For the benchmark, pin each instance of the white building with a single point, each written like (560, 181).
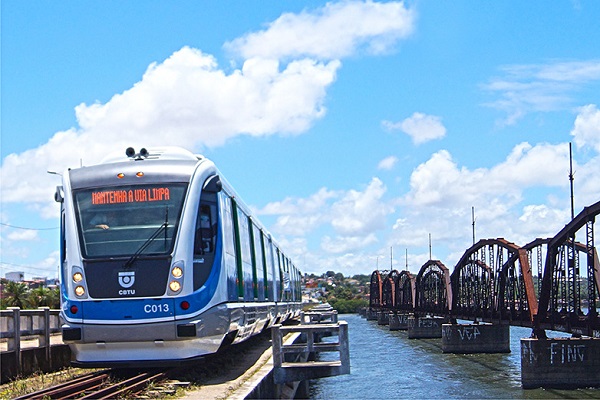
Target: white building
(15, 276)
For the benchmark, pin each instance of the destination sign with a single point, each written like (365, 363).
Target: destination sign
(131, 196)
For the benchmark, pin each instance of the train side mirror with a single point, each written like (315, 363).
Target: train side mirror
(213, 184)
(59, 195)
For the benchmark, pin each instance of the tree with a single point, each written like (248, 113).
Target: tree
(15, 294)
(43, 297)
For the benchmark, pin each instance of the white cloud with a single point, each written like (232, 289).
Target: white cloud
(22, 235)
(340, 244)
(539, 220)
(185, 100)
(387, 163)
(354, 216)
(539, 87)
(528, 166)
(335, 31)
(586, 130)
(189, 100)
(360, 213)
(420, 127)
(440, 182)
(586, 133)
(297, 216)
(443, 193)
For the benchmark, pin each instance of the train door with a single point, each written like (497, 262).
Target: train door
(243, 255)
(229, 247)
(270, 280)
(279, 274)
(59, 198)
(258, 264)
(265, 267)
(205, 238)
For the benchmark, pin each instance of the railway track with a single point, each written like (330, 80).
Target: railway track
(108, 384)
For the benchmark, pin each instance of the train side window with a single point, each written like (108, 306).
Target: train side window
(205, 239)
(204, 242)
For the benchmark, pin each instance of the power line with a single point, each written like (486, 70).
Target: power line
(28, 229)
(30, 267)
(50, 272)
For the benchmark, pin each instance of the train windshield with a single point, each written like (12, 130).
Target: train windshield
(128, 220)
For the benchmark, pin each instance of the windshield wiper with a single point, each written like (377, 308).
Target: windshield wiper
(148, 241)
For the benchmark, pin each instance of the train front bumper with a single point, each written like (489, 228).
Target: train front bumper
(104, 344)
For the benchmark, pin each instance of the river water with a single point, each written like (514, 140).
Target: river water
(387, 365)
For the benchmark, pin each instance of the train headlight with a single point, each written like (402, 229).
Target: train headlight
(77, 277)
(79, 291)
(176, 281)
(175, 286)
(177, 272)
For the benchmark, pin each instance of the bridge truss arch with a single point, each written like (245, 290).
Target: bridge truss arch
(406, 288)
(433, 292)
(493, 282)
(568, 299)
(389, 290)
(536, 255)
(376, 290)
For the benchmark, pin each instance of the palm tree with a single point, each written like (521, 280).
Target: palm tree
(15, 294)
(40, 296)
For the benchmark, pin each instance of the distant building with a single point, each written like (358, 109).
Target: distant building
(16, 276)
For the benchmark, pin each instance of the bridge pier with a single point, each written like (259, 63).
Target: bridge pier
(371, 314)
(475, 338)
(560, 363)
(398, 321)
(425, 327)
(383, 317)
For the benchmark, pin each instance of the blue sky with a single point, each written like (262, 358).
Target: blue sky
(350, 127)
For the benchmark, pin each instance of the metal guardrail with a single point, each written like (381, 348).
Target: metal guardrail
(16, 324)
(290, 359)
(318, 317)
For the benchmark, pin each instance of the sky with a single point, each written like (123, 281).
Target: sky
(365, 135)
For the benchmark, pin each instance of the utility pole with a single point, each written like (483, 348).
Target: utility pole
(473, 221)
(430, 246)
(573, 268)
(571, 179)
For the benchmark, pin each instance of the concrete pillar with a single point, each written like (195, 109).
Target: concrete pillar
(425, 327)
(398, 321)
(560, 363)
(383, 317)
(371, 314)
(475, 338)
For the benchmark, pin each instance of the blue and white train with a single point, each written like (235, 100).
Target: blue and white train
(161, 262)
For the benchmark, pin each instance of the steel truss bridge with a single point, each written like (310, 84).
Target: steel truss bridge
(550, 283)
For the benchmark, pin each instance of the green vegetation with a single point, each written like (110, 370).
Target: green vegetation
(346, 295)
(18, 294)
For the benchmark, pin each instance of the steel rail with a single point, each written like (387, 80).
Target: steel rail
(69, 389)
(133, 384)
(93, 386)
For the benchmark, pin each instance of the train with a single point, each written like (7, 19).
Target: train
(161, 262)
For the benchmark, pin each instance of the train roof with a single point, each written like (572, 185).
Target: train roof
(167, 164)
(155, 153)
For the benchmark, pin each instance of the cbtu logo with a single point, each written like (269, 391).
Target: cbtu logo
(126, 279)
